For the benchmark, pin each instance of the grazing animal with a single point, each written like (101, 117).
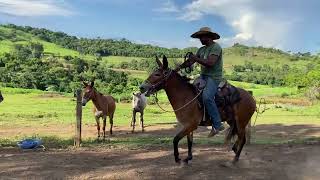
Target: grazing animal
(182, 96)
(103, 106)
(1, 97)
(139, 103)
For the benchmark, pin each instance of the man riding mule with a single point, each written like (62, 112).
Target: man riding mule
(236, 105)
(209, 57)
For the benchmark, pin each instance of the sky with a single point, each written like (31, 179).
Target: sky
(289, 25)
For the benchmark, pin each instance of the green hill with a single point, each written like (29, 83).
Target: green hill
(41, 59)
(236, 55)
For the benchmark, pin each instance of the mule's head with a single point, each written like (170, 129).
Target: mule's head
(88, 92)
(157, 79)
(1, 97)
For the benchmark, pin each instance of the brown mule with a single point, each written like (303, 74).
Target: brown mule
(182, 94)
(103, 106)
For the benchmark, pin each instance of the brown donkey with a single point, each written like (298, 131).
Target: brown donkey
(103, 106)
(182, 96)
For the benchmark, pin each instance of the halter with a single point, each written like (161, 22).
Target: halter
(155, 86)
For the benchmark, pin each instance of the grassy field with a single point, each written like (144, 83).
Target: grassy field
(48, 113)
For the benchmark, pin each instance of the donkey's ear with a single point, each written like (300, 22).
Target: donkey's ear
(165, 62)
(159, 62)
(84, 84)
(92, 83)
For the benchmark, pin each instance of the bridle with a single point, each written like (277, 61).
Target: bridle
(162, 82)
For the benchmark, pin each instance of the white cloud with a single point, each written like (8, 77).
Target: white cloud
(168, 7)
(34, 8)
(253, 23)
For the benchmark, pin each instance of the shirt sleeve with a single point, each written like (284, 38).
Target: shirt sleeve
(216, 50)
(198, 52)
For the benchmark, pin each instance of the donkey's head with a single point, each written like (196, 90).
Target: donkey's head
(157, 79)
(88, 92)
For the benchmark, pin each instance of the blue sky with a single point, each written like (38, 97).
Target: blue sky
(291, 25)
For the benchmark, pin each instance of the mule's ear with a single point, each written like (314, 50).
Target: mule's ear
(84, 84)
(92, 83)
(165, 62)
(159, 62)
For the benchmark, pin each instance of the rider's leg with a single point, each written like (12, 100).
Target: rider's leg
(208, 98)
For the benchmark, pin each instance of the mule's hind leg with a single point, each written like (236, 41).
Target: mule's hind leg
(111, 123)
(241, 141)
(141, 120)
(98, 125)
(104, 127)
(190, 141)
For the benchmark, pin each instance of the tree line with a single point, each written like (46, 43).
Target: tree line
(101, 47)
(26, 67)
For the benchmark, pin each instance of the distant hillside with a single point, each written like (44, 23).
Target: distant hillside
(43, 59)
(61, 44)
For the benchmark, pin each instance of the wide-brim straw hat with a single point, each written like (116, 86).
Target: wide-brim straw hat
(206, 31)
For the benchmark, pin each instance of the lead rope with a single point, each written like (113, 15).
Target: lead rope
(176, 110)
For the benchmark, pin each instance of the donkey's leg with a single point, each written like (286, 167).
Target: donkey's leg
(241, 141)
(131, 124)
(104, 127)
(98, 125)
(176, 140)
(134, 113)
(190, 141)
(141, 120)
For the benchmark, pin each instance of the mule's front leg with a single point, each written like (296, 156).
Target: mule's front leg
(176, 140)
(190, 141)
(98, 126)
(133, 120)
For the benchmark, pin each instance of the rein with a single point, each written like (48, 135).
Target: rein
(176, 110)
(166, 77)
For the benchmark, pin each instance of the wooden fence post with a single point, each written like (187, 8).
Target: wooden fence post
(249, 128)
(77, 138)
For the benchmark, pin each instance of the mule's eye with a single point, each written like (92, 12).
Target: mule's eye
(157, 74)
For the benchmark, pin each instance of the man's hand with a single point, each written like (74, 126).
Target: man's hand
(193, 58)
(185, 64)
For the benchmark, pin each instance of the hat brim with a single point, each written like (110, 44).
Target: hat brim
(213, 35)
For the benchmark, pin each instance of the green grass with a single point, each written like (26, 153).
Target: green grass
(24, 108)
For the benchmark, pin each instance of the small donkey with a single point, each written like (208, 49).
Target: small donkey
(139, 103)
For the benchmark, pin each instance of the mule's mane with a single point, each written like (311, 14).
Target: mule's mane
(185, 80)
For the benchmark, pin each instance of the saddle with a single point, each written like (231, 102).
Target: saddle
(226, 97)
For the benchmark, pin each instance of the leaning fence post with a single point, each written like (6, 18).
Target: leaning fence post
(249, 128)
(77, 138)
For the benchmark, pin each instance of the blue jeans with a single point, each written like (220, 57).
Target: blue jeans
(208, 99)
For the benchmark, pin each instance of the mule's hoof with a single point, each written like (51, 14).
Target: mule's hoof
(226, 164)
(187, 161)
(178, 161)
(235, 160)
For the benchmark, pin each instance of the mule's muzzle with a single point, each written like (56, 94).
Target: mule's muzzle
(84, 102)
(146, 89)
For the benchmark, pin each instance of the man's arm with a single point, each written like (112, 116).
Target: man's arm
(212, 59)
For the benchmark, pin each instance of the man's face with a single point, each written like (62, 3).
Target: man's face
(204, 39)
